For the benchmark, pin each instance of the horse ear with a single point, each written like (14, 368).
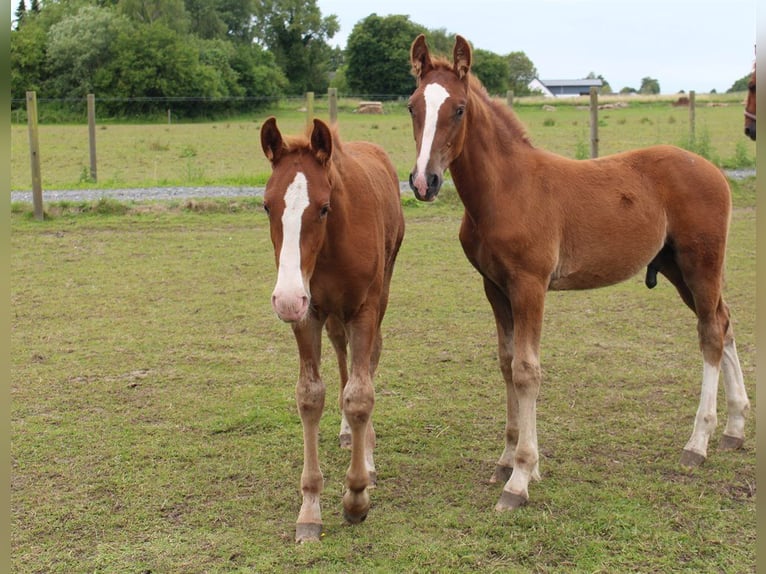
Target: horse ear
(461, 56)
(321, 141)
(420, 58)
(271, 140)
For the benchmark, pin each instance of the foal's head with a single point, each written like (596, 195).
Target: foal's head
(437, 108)
(297, 201)
(750, 108)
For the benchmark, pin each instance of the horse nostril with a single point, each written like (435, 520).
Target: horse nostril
(434, 182)
(412, 182)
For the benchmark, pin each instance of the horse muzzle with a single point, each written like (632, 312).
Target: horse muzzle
(426, 187)
(750, 132)
(290, 307)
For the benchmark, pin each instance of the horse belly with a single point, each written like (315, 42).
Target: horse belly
(614, 258)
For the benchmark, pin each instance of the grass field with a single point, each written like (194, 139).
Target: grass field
(154, 426)
(229, 153)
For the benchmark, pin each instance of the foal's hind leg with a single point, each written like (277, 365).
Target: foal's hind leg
(717, 345)
(736, 396)
(337, 334)
(719, 353)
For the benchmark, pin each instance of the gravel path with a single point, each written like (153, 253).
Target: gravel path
(151, 193)
(166, 193)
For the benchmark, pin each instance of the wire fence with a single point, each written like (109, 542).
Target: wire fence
(165, 108)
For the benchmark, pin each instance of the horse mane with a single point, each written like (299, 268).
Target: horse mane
(490, 110)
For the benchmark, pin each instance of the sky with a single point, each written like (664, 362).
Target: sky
(700, 45)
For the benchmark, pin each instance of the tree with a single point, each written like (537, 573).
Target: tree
(441, 42)
(79, 47)
(172, 13)
(378, 55)
(741, 84)
(605, 87)
(20, 14)
(297, 34)
(28, 58)
(492, 69)
(230, 20)
(522, 71)
(649, 86)
(205, 19)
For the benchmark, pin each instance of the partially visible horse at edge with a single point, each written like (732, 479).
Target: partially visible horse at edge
(336, 223)
(534, 221)
(750, 108)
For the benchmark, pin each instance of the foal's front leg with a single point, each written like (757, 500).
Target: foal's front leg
(527, 300)
(309, 397)
(358, 401)
(501, 308)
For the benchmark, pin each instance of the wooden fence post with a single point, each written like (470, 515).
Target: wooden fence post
(309, 108)
(509, 98)
(332, 98)
(593, 122)
(34, 156)
(92, 136)
(692, 118)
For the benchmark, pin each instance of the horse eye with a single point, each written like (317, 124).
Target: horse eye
(409, 108)
(266, 208)
(324, 210)
(460, 111)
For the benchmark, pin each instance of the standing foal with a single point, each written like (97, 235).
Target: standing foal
(336, 224)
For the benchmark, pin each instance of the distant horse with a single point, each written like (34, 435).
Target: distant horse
(535, 221)
(336, 224)
(750, 108)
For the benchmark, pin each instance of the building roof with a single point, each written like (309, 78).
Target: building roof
(585, 83)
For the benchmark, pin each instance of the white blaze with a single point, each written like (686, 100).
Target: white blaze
(289, 276)
(435, 95)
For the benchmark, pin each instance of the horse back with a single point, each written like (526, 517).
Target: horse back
(371, 189)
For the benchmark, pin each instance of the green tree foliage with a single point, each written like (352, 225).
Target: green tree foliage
(378, 56)
(222, 19)
(522, 71)
(80, 47)
(20, 13)
(296, 34)
(153, 52)
(28, 57)
(492, 69)
(741, 84)
(649, 86)
(171, 13)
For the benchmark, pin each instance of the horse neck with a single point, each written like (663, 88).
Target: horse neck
(494, 137)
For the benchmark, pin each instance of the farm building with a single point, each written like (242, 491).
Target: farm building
(564, 88)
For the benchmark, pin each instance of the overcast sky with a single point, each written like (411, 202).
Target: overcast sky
(685, 44)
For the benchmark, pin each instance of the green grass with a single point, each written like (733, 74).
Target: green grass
(154, 426)
(229, 152)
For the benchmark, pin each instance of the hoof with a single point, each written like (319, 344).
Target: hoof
(345, 440)
(731, 443)
(356, 506)
(501, 474)
(310, 532)
(691, 459)
(510, 501)
(354, 518)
